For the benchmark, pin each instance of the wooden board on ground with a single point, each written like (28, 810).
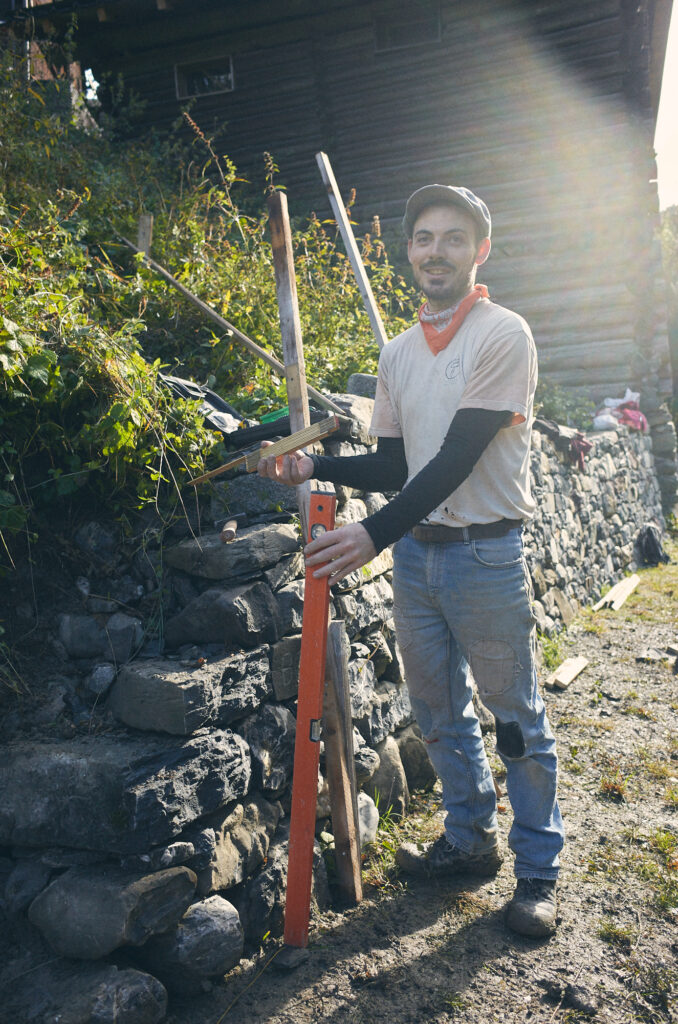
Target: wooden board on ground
(616, 596)
(566, 672)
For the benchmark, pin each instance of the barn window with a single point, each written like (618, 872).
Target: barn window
(204, 77)
(416, 24)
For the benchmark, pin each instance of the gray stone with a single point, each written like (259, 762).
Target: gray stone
(100, 678)
(125, 635)
(291, 607)
(246, 615)
(254, 548)
(116, 794)
(252, 495)
(270, 734)
(353, 511)
(388, 786)
(285, 667)
(99, 541)
(390, 710)
(82, 636)
(360, 409)
(206, 943)
(419, 771)
(367, 608)
(261, 903)
(365, 759)
(379, 651)
(241, 840)
(377, 567)
(89, 912)
(368, 818)
(374, 502)
(27, 879)
(363, 384)
(164, 696)
(362, 682)
(84, 993)
(161, 857)
(286, 571)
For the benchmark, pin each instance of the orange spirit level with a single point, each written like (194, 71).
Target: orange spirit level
(307, 743)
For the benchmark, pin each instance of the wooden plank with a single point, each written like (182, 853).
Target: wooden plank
(313, 432)
(617, 594)
(339, 210)
(338, 736)
(566, 672)
(145, 233)
(290, 331)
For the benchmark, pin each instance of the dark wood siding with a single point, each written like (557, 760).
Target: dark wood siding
(542, 106)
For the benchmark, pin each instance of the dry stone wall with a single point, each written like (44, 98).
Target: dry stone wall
(149, 853)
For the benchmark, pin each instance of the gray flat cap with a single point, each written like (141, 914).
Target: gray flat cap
(447, 195)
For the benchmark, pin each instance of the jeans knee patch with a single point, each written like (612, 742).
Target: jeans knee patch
(510, 740)
(493, 663)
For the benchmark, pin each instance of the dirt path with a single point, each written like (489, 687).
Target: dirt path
(415, 953)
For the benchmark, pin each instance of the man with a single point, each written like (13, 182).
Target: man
(452, 416)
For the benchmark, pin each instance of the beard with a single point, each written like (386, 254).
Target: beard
(451, 288)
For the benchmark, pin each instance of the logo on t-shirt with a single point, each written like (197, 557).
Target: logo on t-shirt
(453, 368)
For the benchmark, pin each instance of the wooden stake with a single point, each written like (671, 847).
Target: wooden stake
(290, 330)
(339, 210)
(338, 736)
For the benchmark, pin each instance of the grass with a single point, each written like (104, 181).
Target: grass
(420, 825)
(616, 935)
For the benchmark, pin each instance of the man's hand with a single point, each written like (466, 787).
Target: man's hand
(292, 469)
(344, 550)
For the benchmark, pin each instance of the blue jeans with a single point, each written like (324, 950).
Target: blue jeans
(467, 604)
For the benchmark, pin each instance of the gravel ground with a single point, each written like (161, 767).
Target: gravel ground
(420, 952)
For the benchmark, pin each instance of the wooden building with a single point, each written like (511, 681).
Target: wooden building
(546, 108)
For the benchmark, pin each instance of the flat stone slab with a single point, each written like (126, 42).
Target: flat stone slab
(165, 696)
(116, 794)
(82, 994)
(254, 548)
(86, 913)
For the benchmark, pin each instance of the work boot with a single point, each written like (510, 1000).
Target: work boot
(532, 911)
(442, 859)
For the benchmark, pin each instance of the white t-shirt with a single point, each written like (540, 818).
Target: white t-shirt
(491, 363)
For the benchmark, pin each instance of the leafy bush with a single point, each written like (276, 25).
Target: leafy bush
(86, 326)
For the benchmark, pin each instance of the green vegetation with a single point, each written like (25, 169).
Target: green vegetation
(85, 327)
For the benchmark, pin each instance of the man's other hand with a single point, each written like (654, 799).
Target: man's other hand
(292, 469)
(344, 550)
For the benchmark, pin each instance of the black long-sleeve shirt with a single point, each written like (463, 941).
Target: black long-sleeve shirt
(470, 432)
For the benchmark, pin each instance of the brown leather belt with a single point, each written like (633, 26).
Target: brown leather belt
(439, 534)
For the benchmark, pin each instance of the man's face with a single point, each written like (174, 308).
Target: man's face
(442, 252)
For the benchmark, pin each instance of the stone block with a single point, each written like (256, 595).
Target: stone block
(206, 943)
(252, 495)
(419, 771)
(363, 384)
(254, 548)
(390, 710)
(245, 616)
(89, 912)
(241, 841)
(360, 410)
(367, 608)
(285, 667)
(82, 636)
(84, 993)
(165, 696)
(388, 786)
(125, 635)
(368, 819)
(286, 571)
(270, 735)
(290, 607)
(116, 794)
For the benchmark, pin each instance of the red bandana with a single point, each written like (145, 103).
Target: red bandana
(438, 340)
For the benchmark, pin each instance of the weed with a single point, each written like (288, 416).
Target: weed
(613, 787)
(671, 796)
(551, 651)
(615, 935)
